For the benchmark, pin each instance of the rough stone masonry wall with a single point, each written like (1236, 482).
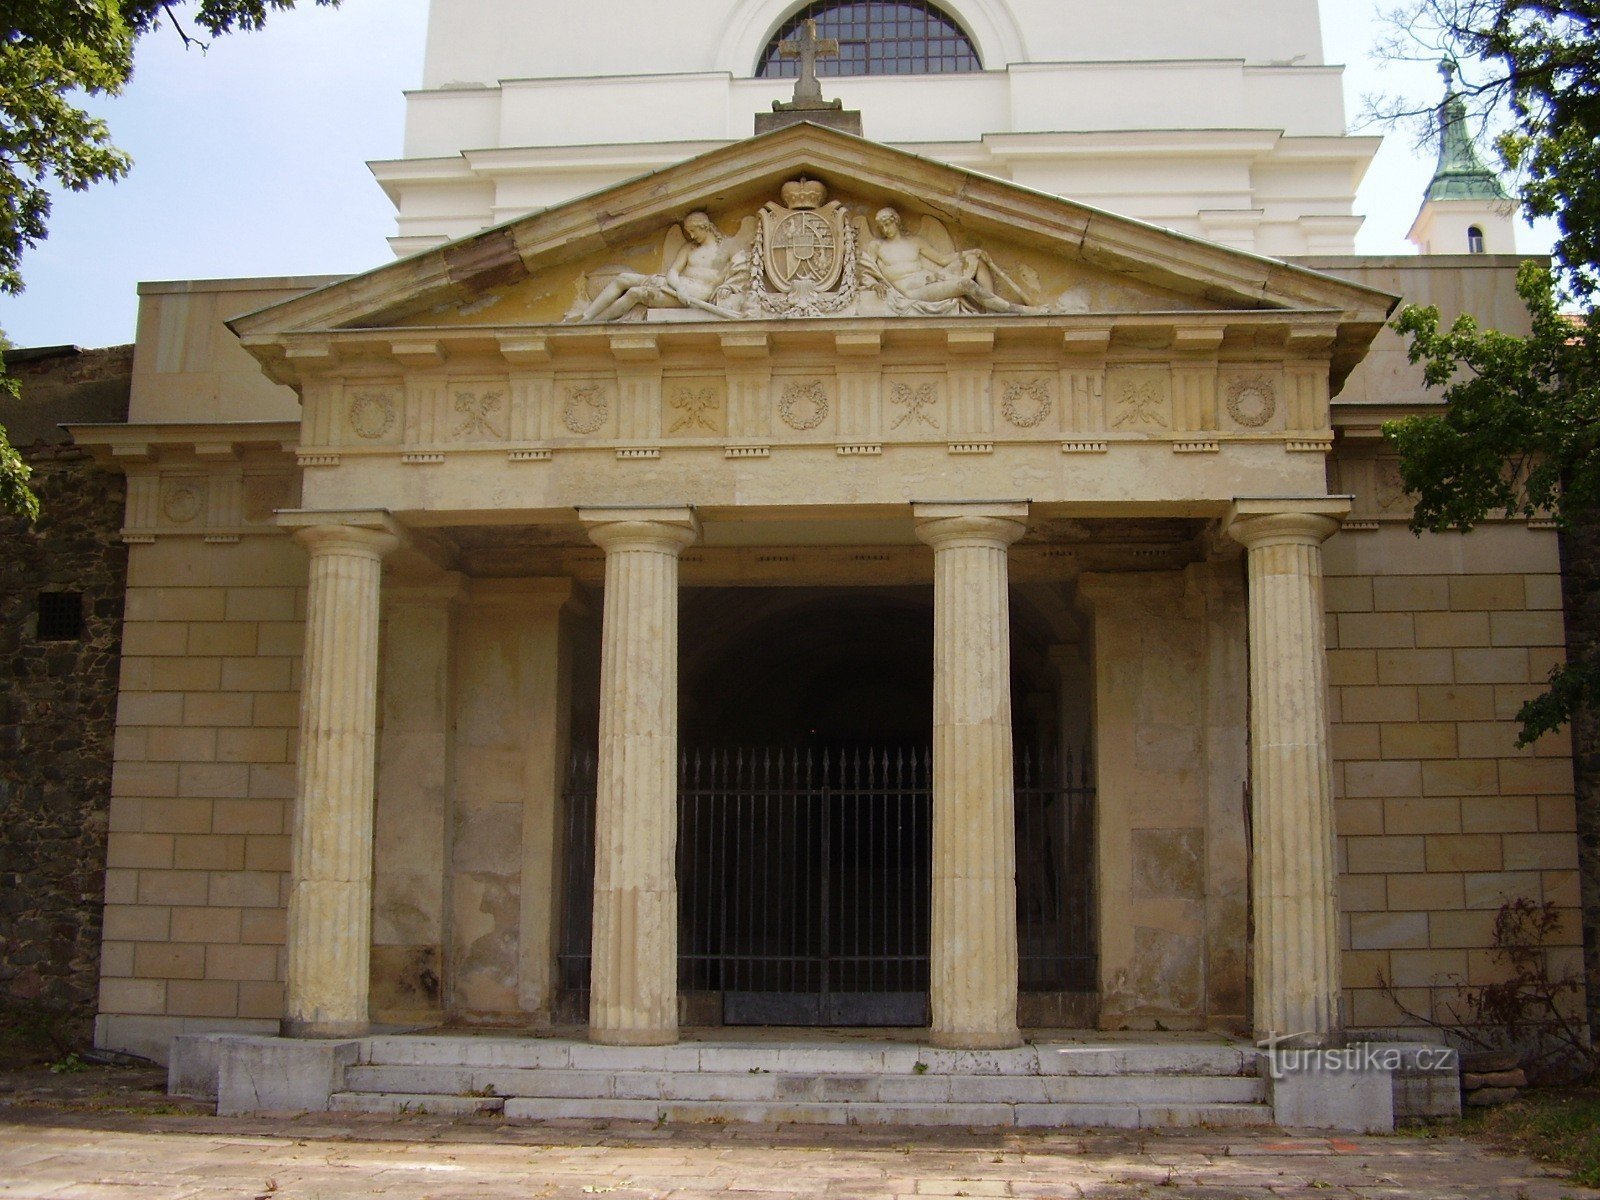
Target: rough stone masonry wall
(1434, 643)
(57, 700)
(197, 865)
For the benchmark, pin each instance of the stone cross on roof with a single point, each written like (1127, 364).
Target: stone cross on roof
(808, 47)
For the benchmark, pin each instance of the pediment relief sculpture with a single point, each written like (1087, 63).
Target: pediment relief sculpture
(807, 256)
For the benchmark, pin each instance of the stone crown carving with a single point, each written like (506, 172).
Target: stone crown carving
(804, 255)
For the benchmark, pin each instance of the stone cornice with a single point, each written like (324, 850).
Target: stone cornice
(119, 445)
(747, 171)
(295, 357)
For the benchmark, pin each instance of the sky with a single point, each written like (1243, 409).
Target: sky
(250, 160)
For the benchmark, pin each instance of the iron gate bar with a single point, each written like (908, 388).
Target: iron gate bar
(807, 874)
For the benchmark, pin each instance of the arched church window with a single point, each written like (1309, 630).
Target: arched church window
(1474, 240)
(876, 37)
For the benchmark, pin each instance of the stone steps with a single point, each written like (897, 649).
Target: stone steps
(1118, 1085)
(845, 1058)
(929, 1088)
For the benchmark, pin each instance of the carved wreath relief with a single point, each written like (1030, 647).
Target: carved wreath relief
(1026, 404)
(183, 500)
(585, 409)
(807, 256)
(804, 405)
(1251, 401)
(372, 414)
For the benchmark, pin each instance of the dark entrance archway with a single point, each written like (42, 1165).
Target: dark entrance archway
(805, 813)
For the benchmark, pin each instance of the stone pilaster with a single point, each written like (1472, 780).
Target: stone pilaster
(547, 748)
(633, 997)
(974, 947)
(330, 900)
(1293, 871)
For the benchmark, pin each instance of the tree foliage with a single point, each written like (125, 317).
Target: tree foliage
(1521, 433)
(54, 54)
(1529, 71)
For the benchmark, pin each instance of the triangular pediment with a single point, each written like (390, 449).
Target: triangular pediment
(959, 245)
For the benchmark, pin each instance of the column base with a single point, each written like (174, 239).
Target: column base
(633, 1037)
(323, 1029)
(1004, 1040)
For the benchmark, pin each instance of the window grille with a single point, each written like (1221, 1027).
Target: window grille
(60, 616)
(876, 37)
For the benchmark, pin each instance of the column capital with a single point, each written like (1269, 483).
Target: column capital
(991, 523)
(1288, 520)
(370, 532)
(666, 529)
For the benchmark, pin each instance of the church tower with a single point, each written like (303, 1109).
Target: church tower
(1466, 209)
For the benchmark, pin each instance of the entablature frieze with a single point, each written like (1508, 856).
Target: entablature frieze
(216, 481)
(1197, 383)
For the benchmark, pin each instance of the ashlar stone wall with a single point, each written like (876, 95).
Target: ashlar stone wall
(1434, 643)
(198, 855)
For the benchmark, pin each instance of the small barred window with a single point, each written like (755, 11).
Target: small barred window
(876, 37)
(60, 616)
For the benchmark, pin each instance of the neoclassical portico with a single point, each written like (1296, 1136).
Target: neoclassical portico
(974, 947)
(1020, 417)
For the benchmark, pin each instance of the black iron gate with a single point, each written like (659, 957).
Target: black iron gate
(803, 881)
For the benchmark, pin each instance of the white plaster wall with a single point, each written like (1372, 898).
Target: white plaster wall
(484, 41)
(1218, 119)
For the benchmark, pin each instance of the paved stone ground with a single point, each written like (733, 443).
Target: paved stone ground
(111, 1135)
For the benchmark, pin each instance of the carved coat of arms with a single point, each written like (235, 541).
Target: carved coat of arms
(807, 251)
(807, 256)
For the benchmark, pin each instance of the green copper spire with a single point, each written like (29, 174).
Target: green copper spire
(1461, 173)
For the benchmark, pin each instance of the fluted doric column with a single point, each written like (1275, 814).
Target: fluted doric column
(1293, 872)
(633, 989)
(330, 899)
(974, 947)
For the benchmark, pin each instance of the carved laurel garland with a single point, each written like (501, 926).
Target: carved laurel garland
(1036, 392)
(585, 409)
(798, 394)
(1251, 401)
(372, 414)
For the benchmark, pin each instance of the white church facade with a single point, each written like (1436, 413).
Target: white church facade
(948, 579)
